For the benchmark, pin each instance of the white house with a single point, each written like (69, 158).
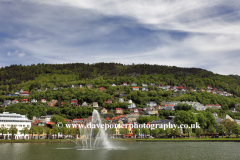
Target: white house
(134, 84)
(114, 85)
(144, 85)
(131, 105)
(33, 101)
(25, 93)
(125, 83)
(121, 99)
(199, 107)
(84, 104)
(144, 89)
(12, 119)
(72, 86)
(135, 88)
(151, 104)
(95, 104)
(43, 100)
(129, 101)
(15, 101)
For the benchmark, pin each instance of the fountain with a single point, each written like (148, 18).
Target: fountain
(100, 140)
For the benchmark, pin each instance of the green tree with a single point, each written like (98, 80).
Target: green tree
(3, 130)
(33, 130)
(136, 131)
(211, 129)
(39, 131)
(48, 131)
(199, 131)
(124, 131)
(55, 131)
(188, 131)
(221, 129)
(144, 131)
(236, 129)
(167, 132)
(228, 124)
(155, 131)
(185, 117)
(24, 131)
(13, 130)
(175, 131)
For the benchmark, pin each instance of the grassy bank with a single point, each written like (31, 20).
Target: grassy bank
(36, 141)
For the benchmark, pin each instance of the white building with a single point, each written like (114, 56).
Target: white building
(131, 105)
(121, 99)
(33, 101)
(12, 119)
(151, 104)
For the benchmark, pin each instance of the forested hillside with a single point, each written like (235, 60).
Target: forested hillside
(62, 76)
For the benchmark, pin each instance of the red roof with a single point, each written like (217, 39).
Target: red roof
(67, 119)
(118, 108)
(25, 92)
(77, 119)
(25, 100)
(43, 100)
(50, 123)
(107, 119)
(135, 87)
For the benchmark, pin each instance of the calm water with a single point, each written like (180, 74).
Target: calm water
(123, 151)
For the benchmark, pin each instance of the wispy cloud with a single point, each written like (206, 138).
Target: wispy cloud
(184, 33)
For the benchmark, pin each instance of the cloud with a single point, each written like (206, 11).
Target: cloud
(184, 33)
(16, 53)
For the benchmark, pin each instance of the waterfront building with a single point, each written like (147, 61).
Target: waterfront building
(12, 119)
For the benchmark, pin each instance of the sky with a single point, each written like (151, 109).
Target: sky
(184, 33)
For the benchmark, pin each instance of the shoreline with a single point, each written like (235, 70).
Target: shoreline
(127, 140)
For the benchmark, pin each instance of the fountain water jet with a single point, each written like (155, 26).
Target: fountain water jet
(101, 139)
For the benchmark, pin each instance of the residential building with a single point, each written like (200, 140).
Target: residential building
(130, 101)
(134, 84)
(74, 101)
(25, 93)
(144, 85)
(151, 104)
(104, 111)
(52, 103)
(33, 101)
(121, 99)
(108, 101)
(24, 100)
(95, 104)
(89, 86)
(131, 105)
(15, 101)
(124, 83)
(135, 88)
(12, 119)
(43, 100)
(144, 89)
(119, 111)
(114, 85)
(85, 104)
(102, 88)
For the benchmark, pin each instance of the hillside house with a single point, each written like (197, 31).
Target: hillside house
(104, 111)
(43, 100)
(119, 111)
(124, 83)
(52, 103)
(15, 101)
(135, 88)
(151, 104)
(74, 101)
(84, 104)
(25, 93)
(24, 100)
(121, 99)
(33, 101)
(95, 104)
(108, 101)
(134, 84)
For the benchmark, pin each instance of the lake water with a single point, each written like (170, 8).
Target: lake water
(123, 151)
